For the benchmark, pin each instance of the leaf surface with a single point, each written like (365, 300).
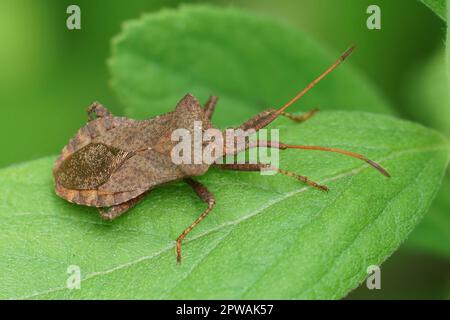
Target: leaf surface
(268, 237)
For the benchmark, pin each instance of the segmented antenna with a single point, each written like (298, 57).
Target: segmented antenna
(317, 80)
(348, 153)
(309, 87)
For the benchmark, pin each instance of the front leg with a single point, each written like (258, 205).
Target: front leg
(265, 117)
(302, 117)
(99, 110)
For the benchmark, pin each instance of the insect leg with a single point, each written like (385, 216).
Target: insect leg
(265, 117)
(99, 110)
(207, 197)
(115, 211)
(210, 106)
(262, 166)
(302, 117)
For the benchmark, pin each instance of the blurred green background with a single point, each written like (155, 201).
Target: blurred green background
(50, 74)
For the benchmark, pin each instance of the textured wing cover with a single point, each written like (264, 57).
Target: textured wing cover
(89, 167)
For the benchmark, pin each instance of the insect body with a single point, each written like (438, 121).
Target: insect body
(112, 162)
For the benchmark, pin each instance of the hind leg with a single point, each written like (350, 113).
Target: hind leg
(207, 197)
(113, 212)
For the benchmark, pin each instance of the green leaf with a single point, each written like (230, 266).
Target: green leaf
(250, 62)
(433, 234)
(448, 52)
(428, 94)
(438, 7)
(268, 237)
(429, 103)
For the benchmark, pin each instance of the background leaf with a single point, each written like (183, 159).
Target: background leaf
(433, 234)
(428, 94)
(283, 241)
(429, 103)
(250, 62)
(438, 7)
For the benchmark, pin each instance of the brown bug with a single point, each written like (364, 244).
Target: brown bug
(112, 162)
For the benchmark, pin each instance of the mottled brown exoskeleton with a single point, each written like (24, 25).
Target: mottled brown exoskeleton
(112, 162)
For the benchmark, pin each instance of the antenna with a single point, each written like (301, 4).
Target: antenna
(317, 80)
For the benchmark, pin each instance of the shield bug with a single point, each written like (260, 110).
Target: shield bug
(113, 162)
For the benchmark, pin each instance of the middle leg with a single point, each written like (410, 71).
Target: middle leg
(262, 166)
(207, 197)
